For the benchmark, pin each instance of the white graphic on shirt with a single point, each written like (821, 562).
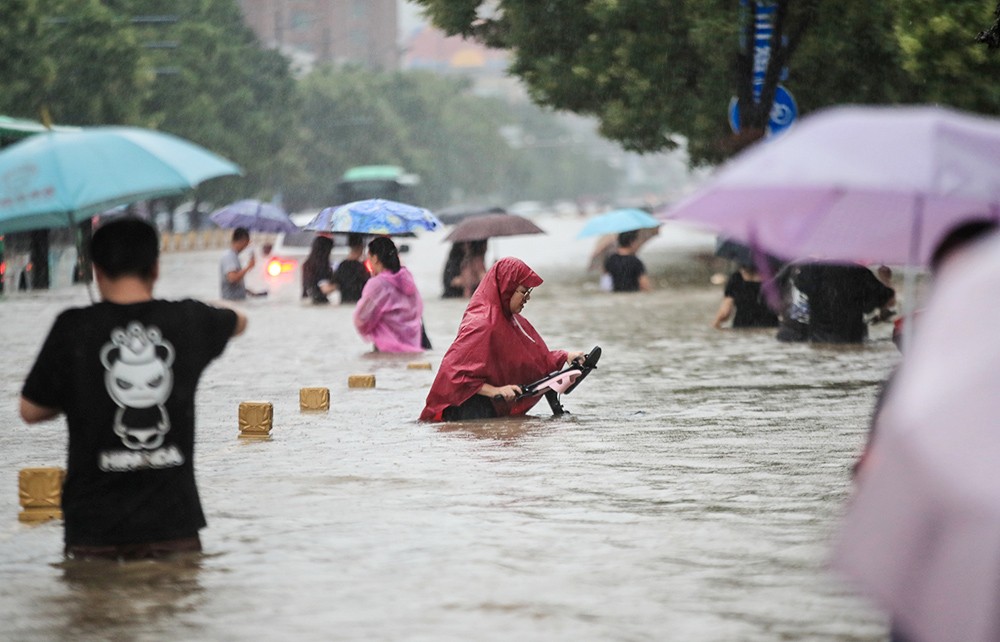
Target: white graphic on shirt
(138, 378)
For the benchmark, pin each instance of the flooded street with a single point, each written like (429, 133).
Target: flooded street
(690, 495)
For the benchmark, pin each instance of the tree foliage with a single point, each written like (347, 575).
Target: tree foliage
(433, 127)
(654, 69)
(76, 59)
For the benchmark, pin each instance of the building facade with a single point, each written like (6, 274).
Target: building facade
(361, 32)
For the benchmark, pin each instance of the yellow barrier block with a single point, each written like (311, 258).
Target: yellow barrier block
(361, 381)
(418, 365)
(40, 494)
(314, 398)
(256, 418)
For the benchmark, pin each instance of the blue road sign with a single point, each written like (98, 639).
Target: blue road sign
(784, 111)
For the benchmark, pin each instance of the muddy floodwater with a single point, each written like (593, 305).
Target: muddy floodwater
(690, 495)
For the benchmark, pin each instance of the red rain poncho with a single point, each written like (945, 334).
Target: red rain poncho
(493, 346)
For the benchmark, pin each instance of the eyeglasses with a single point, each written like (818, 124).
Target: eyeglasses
(526, 292)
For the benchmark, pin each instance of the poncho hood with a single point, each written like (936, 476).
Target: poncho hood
(493, 346)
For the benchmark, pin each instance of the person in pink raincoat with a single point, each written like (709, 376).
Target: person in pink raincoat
(389, 311)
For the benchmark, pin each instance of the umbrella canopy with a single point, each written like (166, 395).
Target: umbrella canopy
(254, 215)
(456, 213)
(922, 534)
(61, 177)
(618, 221)
(373, 216)
(856, 184)
(486, 226)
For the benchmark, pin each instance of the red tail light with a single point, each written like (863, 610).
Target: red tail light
(276, 267)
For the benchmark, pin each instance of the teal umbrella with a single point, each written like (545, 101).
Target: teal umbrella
(58, 178)
(618, 221)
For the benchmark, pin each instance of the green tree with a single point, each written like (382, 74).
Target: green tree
(217, 87)
(77, 59)
(650, 70)
(433, 126)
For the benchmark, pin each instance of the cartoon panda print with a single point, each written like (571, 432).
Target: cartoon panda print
(139, 379)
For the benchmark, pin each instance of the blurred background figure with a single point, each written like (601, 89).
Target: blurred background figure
(317, 273)
(451, 277)
(232, 273)
(743, 297)
(625, 271)
(839, 297)
(464, 269)
(793, 322)
(473, 267)
(351, 274)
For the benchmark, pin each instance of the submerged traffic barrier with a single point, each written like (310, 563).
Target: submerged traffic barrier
(418, 365)
(256, 418)
(361, 381)
(314, 398)
(40, 493)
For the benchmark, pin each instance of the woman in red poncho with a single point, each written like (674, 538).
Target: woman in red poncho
(495, 352)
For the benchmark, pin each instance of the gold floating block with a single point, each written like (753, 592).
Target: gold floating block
(361, 381)
(255, 419)
(40, 492)
(314, 398)
(419, 365)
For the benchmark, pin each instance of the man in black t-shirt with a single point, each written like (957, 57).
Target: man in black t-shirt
(124, 372)
(627, 272)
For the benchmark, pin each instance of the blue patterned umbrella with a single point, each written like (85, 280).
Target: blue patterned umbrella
(254, 215)
(373, 216)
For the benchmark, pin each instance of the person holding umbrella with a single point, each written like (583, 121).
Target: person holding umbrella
(232, 272)
(389, 311)
(495, 353)
(625, 270)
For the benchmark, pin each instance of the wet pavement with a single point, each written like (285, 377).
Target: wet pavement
(690, 495)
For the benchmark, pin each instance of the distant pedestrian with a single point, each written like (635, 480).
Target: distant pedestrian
(317, 273)
(839, 297)
(351, 274)
(232, 273)
(124, 373)
(627, 272)
(743, 301)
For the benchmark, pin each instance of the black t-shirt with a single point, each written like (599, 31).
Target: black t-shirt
(751, 309)
(839, 296)
(350, 277)
(125, 377)
(625, 270)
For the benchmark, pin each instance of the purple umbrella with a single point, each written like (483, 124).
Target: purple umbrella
(253, 215)
(922, 534)
(868, 184)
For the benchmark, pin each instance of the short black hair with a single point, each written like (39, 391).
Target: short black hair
(127, 246)
(240, 234)
(355, 240)
(626, 239)
(959, 236)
